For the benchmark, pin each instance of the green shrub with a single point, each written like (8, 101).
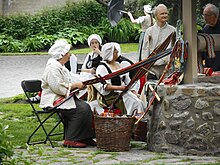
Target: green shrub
(125, 31)
(74, 22)
(6, 147)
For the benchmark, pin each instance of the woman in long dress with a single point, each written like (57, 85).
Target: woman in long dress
(114, 86)
(56, 83)
(145, 21)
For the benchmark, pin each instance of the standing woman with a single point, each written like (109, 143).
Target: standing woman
(145, 21)
(56, 83)
(114, 86)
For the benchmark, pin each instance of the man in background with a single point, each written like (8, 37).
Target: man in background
(211, 17)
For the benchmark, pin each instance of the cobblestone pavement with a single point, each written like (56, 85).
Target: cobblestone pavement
(137, 155)
(14, 69)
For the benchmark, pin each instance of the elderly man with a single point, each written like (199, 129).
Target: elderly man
(211, 17)
(155, 35)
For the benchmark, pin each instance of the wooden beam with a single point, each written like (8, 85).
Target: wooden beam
(190, 35)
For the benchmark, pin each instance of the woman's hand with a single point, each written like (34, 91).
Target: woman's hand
(97, 51)
(78, 85)
(135, 92)
(121, 88)
(92, 71)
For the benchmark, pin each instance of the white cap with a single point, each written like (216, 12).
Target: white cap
(148, 8)
(117, 46)
(59, 49)
(107, 51)
(94, 36)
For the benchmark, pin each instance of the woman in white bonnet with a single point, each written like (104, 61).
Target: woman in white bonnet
(91, 62)
(93, 58)
(56, 83)
(114, 86)
(145, 21)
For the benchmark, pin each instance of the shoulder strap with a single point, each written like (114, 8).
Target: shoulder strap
(109, 70)
(122, 58)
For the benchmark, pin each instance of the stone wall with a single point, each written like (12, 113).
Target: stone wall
(8, 7)
(186, 120)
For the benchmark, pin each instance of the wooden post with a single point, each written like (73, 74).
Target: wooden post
(190, 35)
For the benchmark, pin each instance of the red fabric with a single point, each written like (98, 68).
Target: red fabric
(58, 101)
(115, 111)
(208, 71)
(39, 93)
(173, 80)
(142, 82)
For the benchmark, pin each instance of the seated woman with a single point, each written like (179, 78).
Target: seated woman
(93, 58)
(91, 61)
(114, 86)
(56, 83)
(125, 62)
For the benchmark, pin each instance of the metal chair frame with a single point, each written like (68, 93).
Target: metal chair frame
(34, 86)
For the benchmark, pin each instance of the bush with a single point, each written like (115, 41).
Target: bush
(125, 31)
(74, 22)
(6, 147)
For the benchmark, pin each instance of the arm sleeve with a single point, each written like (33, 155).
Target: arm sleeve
(85, 62)
(102, 71)
(56, 82)
(73, 63)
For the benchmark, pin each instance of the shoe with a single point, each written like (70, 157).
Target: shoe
(35, 99)
(73, 144)
(89, 142)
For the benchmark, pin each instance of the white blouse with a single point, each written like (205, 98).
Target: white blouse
(55, 82)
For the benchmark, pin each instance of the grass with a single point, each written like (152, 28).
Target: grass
(21, 122)
(125, 47)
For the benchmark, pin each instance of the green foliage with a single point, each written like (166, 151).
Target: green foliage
(73, 35)
(16, 26)
(24, 32)
(125, 31)
(6, 147)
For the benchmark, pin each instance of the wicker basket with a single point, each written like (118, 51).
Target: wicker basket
(113, 133)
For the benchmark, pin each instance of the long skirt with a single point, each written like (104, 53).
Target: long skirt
(78, 122)
(140, 47)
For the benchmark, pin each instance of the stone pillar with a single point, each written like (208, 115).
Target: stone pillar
(186, 121)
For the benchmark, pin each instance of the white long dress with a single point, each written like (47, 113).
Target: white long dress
(131, 101)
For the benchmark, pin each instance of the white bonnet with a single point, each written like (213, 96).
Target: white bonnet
(94, 36)
(107, 51)
(148, 8)
(117, 46)
(59, 49)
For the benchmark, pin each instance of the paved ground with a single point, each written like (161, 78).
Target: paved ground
(14, 69)
(137, 155)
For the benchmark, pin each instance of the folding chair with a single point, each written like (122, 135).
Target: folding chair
(34, 86)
